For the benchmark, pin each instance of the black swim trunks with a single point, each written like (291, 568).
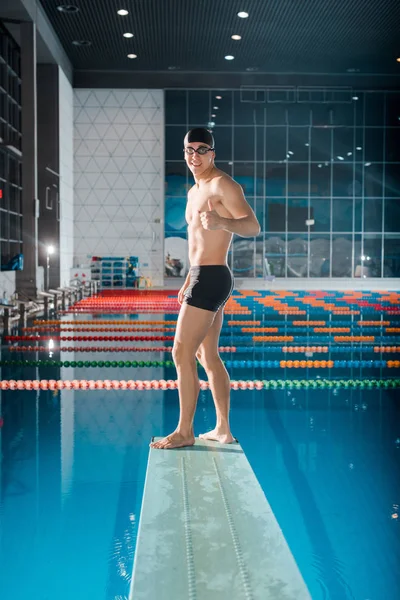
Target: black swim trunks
(210, 286)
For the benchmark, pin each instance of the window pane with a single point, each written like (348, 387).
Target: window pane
(342, 217)
(297, 179)
(393, 144)
(224, 112)
(247, 113)
(275, 183)
(374, 109)
(260, 209)
(299, 143)
(243, 253)
(275, 255)
(297, 214)
(175, 107)
(321, 144)
(223, 143)
(373, 179)
(174, 136)
(343, 143)
(391, 262)
(297, 250)
(319, 262)
(299, 114)
(176, 178)
(342, 180)
(244, 143)
(320, 184)
(243, 173)
(275, 215)
(199, 108)
(374, 144)
(372, 255)
(275, 143)
(372, 214)
(277, 114)
(392, 109)
(392, 214)
(342, 250)
(320, 211)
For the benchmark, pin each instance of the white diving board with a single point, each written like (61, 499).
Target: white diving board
(208, 532)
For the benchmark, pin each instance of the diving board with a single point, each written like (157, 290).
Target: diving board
(208, 532)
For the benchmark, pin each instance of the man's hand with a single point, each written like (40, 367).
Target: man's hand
(210, 219)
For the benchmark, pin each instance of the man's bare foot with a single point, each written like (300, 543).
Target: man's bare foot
(174, 440)
(218, 435)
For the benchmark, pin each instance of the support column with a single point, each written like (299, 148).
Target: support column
(26, 280)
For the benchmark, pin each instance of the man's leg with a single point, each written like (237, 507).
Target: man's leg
(218, 378)
(192, 327)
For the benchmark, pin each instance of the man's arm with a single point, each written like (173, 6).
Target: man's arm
(244, 221)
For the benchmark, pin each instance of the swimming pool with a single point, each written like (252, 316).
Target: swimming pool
(73, 461)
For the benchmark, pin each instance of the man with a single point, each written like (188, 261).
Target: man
(216, 209)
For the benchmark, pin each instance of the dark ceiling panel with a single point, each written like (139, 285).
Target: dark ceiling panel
(280, 36)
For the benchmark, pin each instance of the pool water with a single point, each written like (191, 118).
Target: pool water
(73, 464)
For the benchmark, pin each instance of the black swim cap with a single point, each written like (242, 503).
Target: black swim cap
(200, 134)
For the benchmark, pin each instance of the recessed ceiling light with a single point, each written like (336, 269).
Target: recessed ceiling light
(67, 8)
(132, 55)
(398, 59)
(128, 35)
(243, 15)
(122, 12)
(229, 57)
(218, 97)
(215, 107)
(82, 43)
(236, 37)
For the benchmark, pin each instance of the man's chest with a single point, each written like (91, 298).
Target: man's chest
(198, 202)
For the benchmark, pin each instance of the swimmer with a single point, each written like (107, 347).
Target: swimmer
(216, 209)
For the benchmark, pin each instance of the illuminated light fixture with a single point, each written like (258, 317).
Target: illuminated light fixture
(355, 98)
(229, 57)
(213, 116)
(68, 8)
(218, 97)
(242, 14)
(236, 37)
(358, 148)
(398, 59)
(82, 43)
(340, 158)
(349, 154)
(128, 35)
(132, 55)
(122, 12)
(215, 107)
(367, 164)
(290, 152)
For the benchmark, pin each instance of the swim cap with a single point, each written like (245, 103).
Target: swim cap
(200, 134)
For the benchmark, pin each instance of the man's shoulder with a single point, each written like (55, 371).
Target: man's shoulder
(224, 181)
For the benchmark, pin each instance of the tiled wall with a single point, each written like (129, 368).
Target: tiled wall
(119, 176)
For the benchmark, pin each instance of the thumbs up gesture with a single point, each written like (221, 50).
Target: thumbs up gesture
(210, 219)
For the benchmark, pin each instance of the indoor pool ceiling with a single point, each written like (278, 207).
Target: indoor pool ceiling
(279, 36)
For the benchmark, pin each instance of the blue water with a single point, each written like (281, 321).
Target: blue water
(73, 466)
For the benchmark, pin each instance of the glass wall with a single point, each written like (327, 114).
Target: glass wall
(10, 153)
(320, 168)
